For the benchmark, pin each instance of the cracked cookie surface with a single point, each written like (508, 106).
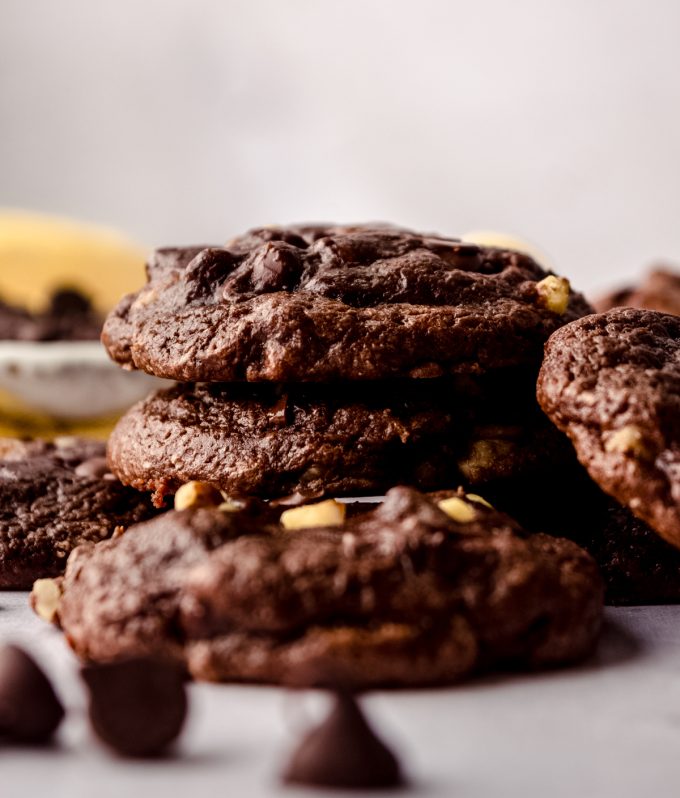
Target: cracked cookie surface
(53, 497)
(322, 303)
(400, 595)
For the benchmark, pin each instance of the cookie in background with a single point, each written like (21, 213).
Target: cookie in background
(659, 289)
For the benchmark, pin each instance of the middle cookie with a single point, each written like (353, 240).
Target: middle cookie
(340, 439)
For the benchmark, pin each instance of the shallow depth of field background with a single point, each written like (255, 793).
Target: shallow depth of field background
(189, 120)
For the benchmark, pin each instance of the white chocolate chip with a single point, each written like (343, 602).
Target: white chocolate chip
(553, 293)
(473, 497)
(228, 507)
(492, 238)
(45, 597)
(458, 509)
(627, 440)
(197, 494)
(326, 513)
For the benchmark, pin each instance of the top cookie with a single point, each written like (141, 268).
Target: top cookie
(320, 303)
(612, 383)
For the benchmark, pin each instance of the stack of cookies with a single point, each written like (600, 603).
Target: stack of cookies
(338, 360)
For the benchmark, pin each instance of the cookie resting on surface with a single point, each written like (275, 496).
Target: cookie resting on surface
(404, 594)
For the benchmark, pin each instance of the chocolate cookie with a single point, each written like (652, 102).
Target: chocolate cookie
(54, 497)
(314, 304)
(637, 566)
(612, 383)
(340, 439)
(404, 594)
(660, 290)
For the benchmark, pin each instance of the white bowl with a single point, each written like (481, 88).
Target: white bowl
(70, 380)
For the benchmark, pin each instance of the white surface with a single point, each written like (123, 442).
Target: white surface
(70, 379)
(186, 121)
(610, 728)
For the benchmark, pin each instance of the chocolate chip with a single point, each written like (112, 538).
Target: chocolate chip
(208, 270)
(137, 706)
(276, 268)
(94, 468)
(30, 711)
(344, 752)
(69, 302)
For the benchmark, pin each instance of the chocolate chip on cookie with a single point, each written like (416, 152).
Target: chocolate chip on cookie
(321, 303)
(612, 383)
(402, 594)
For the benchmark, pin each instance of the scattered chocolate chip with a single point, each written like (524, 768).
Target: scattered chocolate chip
(30, 711)
(137, 706)
(344, 752)
(94, 468)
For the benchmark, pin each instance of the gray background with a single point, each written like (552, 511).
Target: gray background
(189, 120)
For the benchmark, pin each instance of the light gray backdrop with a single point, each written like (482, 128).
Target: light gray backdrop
(188, 120)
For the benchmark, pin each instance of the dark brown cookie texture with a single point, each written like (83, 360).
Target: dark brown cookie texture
(612, 383)
(342, 439)
(637, 565)
(53, 497)
(659, 290)
(404, 594)
(320, 303)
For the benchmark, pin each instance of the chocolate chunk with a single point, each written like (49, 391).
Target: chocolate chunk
(275, 267)
(30, 711)
(206, 271)
(344, 751)
(137, 706)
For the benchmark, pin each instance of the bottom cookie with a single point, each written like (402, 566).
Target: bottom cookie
(409, 593)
